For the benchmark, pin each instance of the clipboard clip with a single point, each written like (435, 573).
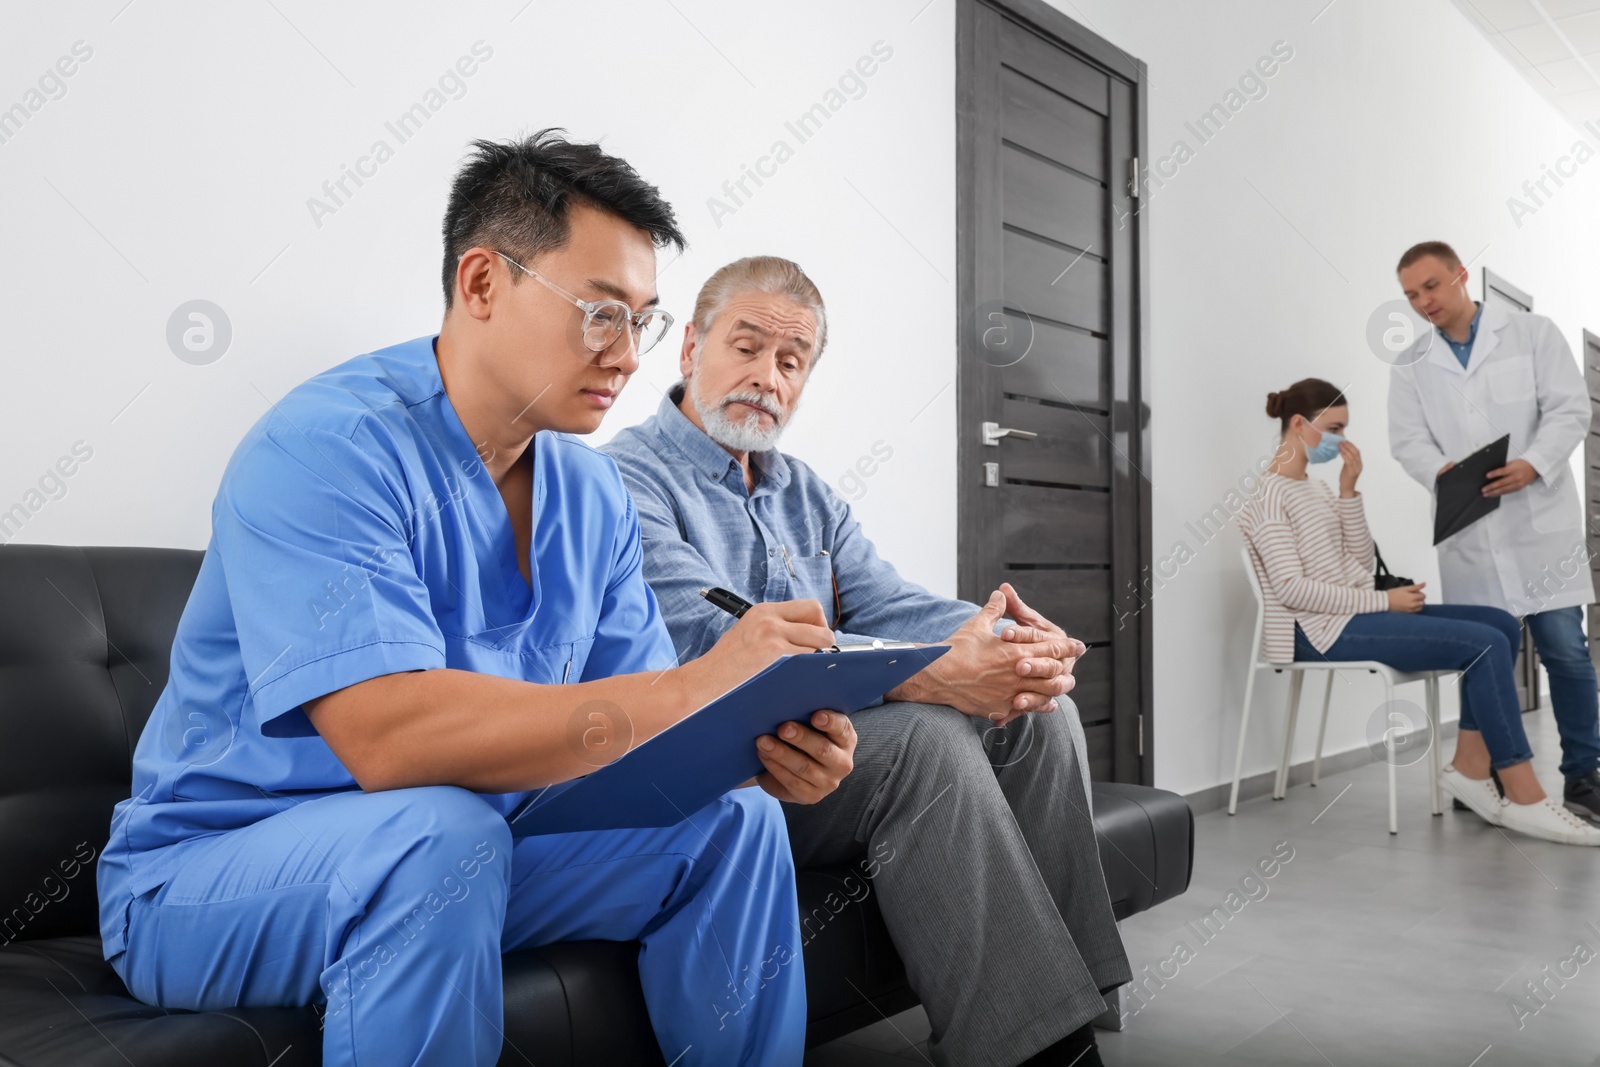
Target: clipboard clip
(875, 645)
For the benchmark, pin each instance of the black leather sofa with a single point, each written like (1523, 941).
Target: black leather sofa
(85, 639)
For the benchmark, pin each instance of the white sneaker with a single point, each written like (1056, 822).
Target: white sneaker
(1478, 794)
(1549, 820)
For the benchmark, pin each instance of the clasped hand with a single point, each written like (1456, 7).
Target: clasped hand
(999, 678)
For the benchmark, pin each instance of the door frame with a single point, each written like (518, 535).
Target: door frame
(977, 183)
(1496, 285)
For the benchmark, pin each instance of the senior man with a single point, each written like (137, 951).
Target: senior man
(970, 784)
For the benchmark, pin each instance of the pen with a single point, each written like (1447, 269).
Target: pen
(732, 603)
(736, 605)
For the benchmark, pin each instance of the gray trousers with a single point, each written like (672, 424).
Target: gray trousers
(981, 848)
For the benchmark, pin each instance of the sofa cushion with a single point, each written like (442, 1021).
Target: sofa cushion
(61, 1004)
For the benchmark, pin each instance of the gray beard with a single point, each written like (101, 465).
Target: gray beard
(741, 436)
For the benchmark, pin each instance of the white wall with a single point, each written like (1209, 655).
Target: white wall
(179, 162)
(1392, 123)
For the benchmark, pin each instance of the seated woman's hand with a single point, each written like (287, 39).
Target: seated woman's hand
(1351, 470)
(1407, 598)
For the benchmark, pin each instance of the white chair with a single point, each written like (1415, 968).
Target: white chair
(1297, 672)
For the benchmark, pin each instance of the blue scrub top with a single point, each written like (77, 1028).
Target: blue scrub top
(357, 533)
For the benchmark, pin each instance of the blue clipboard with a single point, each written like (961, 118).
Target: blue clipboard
(712, 750)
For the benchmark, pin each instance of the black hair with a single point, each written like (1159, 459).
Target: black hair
(516, 197)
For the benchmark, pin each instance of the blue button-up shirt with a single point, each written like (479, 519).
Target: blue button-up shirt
(1463, 349)
(790, 538)
(356, 533)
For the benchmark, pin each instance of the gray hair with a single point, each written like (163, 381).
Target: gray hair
(765, 274)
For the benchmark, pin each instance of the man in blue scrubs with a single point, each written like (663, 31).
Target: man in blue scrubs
(969, 793)
(421, 601)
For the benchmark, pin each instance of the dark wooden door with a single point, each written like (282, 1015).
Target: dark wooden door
(1053, 439)
(1496, 288)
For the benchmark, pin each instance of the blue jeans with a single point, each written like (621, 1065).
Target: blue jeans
(1480, 641)
(1558, 635)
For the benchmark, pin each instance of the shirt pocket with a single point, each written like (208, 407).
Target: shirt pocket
(554, 663)
(1511, 381)
(813, 580)
(577, 660)
(562, 663)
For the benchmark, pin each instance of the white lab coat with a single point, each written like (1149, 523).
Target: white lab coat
(1529, 554)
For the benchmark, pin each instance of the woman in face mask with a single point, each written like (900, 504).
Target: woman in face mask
(1314, 559)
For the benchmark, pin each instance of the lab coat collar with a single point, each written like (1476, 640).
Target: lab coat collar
(1493, 320)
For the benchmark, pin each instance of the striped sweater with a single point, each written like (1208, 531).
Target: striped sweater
(1313, 557)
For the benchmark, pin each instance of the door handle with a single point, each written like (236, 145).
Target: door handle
(993, 431)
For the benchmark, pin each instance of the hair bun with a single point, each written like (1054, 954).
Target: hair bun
(1274, 405)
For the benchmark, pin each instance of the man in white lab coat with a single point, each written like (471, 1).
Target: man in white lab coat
(1484, 372)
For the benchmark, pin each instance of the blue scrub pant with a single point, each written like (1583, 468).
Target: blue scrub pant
(393, 909)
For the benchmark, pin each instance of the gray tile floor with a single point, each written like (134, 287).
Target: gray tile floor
(1363, 948)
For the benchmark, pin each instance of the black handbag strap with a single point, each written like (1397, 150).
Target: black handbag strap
(1383, 568)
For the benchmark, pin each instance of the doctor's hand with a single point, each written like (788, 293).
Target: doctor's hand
(806, 763)
(1351, 469)
(1407, 598)
(766, 632)
(1518, 474)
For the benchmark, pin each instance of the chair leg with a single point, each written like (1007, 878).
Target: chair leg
(1389, 758)
(1244, 725)
(1288, 734)
(1434, 741)
(1322, 730)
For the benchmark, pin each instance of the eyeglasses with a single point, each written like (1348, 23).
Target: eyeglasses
(603, 320)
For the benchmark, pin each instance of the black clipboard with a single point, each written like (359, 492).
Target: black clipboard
(699, 758)
(1459, 491)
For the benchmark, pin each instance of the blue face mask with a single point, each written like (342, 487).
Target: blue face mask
(1325, 449)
